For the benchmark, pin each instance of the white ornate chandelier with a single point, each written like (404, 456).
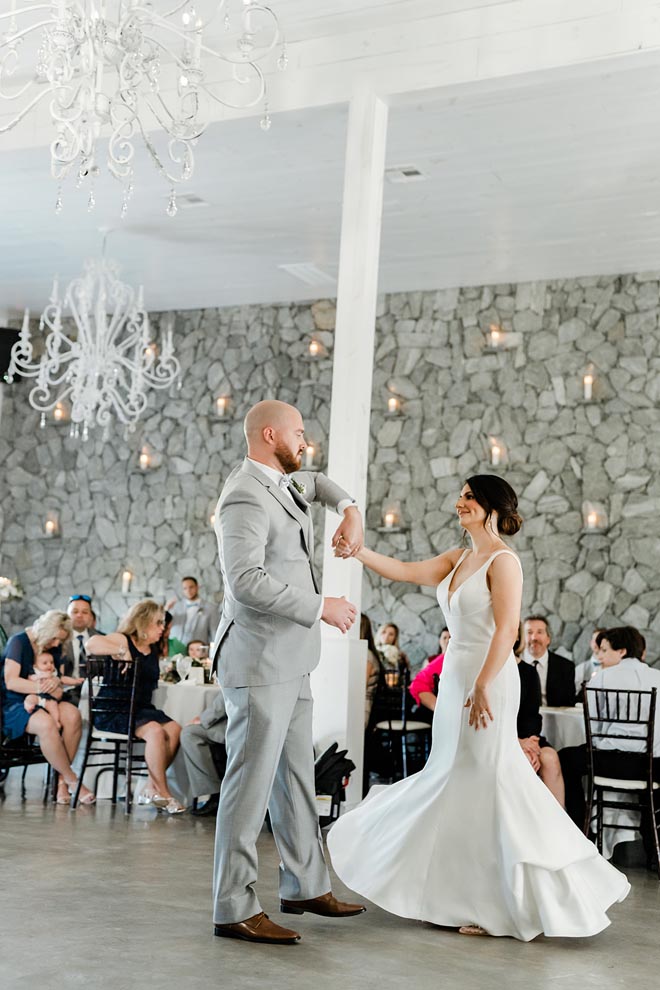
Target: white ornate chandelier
(111, 66)
(108, 366)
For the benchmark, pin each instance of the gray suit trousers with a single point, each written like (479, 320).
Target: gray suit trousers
(201, 769)
(270, 766)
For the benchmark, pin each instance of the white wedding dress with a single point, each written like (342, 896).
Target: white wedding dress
(476, 837)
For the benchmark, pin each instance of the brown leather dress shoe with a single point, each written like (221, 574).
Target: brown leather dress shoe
(326, 905)
(258, 928)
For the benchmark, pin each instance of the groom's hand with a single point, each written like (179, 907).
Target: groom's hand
(339, 613)
(349, 536)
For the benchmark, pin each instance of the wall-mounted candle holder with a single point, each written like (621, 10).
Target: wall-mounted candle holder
(594, 517)
(310, 458)
(126, 582)
(498, 339)
(145, 459)
(61, 414)
(222, 406)
(497, 451)
(315, 349)
(588, 381)
(392, 521)
(51, 526)
(394, 406)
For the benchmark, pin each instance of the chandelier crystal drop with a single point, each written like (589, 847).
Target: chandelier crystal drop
(104, 361)
(125, 70)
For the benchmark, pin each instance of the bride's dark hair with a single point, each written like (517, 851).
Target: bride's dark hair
(496, 495)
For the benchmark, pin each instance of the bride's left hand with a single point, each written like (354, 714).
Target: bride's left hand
(477, 702)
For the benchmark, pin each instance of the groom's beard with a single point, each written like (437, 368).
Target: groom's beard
(288, 462)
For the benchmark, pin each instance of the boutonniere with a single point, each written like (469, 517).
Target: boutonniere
(301, 489)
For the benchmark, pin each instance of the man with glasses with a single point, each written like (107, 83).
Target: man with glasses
(83, 622)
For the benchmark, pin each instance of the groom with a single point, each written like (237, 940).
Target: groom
(267, 643)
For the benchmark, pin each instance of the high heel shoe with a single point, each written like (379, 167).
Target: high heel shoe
(174, 807)
(143, 800)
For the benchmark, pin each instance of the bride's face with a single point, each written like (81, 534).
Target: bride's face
(470, 513)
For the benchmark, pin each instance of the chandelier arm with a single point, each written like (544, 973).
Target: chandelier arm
(163, 124)
(242, 82)
(19, 116)
(25, 31)
(185, 3)
(156, 157)
(5, 95)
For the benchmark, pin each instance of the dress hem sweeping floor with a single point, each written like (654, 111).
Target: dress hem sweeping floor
(476, 837)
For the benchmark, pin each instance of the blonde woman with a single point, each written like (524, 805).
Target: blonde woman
(138, 637)
(58, 745)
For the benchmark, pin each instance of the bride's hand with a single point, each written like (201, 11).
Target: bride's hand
(477, 702)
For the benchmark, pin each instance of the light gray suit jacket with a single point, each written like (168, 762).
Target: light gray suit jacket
(269, 631)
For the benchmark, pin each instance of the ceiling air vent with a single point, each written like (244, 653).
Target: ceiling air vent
(309, 273)
(404, 173)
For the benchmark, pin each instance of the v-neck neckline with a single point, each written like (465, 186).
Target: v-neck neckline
(451, 595)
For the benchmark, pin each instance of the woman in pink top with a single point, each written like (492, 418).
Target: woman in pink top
(422, 687)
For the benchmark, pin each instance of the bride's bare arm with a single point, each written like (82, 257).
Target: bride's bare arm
(506, 595)
(423, 572)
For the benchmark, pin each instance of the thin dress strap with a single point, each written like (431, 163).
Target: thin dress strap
(497, 554)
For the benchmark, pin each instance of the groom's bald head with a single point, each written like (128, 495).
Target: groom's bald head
(275, 434)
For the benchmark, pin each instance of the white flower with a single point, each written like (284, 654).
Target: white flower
(9, 589)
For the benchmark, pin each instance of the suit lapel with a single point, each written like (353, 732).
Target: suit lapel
(302, 517)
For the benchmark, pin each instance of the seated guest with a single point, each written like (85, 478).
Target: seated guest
(83, 625)
(192, 618)
(197, 649)
(375, 668)
(138, 637)
(585, 671)
(203, 745)
(620, 669)
(394, 659)
(443, 643)
(556, 673)
(58, 745)
(424, 687)
(542, 757)
(170, 646)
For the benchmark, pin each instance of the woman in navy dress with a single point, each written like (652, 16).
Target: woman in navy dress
(137, 638)
(48, 633)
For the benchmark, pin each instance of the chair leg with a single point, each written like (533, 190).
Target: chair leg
(654, 814)
(589, 809)
(115, 772)
(129, 771)
(23, 790)
(404, 753)
(599, 820)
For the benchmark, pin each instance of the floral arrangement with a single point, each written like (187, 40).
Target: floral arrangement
(391, 654)
(9, 590)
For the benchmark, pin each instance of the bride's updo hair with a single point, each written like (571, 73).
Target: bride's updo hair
(496, 495)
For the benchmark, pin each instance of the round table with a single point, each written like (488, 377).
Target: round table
(183, 702)
(563, 727)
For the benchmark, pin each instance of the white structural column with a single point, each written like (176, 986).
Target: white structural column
(339, 681)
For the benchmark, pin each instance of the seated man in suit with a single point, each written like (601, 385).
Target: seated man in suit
(620, 651)
(542, 757)
(203, 745)
(83, 627)
(556, 674)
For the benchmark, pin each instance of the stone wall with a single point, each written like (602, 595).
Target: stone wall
(558, 451)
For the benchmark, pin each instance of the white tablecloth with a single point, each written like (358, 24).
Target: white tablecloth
(184, 702)
(563, 726)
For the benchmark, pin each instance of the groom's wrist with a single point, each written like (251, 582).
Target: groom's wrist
(347, 505)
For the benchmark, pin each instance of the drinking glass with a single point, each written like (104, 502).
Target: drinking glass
(183, 666)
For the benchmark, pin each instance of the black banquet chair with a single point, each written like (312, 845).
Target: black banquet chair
(621, 717)
(111, 684)
(394, 732)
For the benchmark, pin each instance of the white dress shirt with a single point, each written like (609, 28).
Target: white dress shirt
(628, 675)
(75, 648)
(541, 664)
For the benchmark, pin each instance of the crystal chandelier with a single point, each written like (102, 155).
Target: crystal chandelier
(102, 363)
(125, 69)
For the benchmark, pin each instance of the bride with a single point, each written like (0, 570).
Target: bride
(475, 840)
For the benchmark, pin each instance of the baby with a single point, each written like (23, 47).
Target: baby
(44, 669)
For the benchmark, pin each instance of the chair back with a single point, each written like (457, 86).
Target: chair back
(620, 717)
(392, 702)
(112, 685)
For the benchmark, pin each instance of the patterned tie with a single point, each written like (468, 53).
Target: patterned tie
(82, 657)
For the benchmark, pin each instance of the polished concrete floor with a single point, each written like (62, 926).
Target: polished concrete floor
(93, 899)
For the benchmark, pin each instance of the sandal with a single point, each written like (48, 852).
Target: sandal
(174, 807)
(472, 930)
